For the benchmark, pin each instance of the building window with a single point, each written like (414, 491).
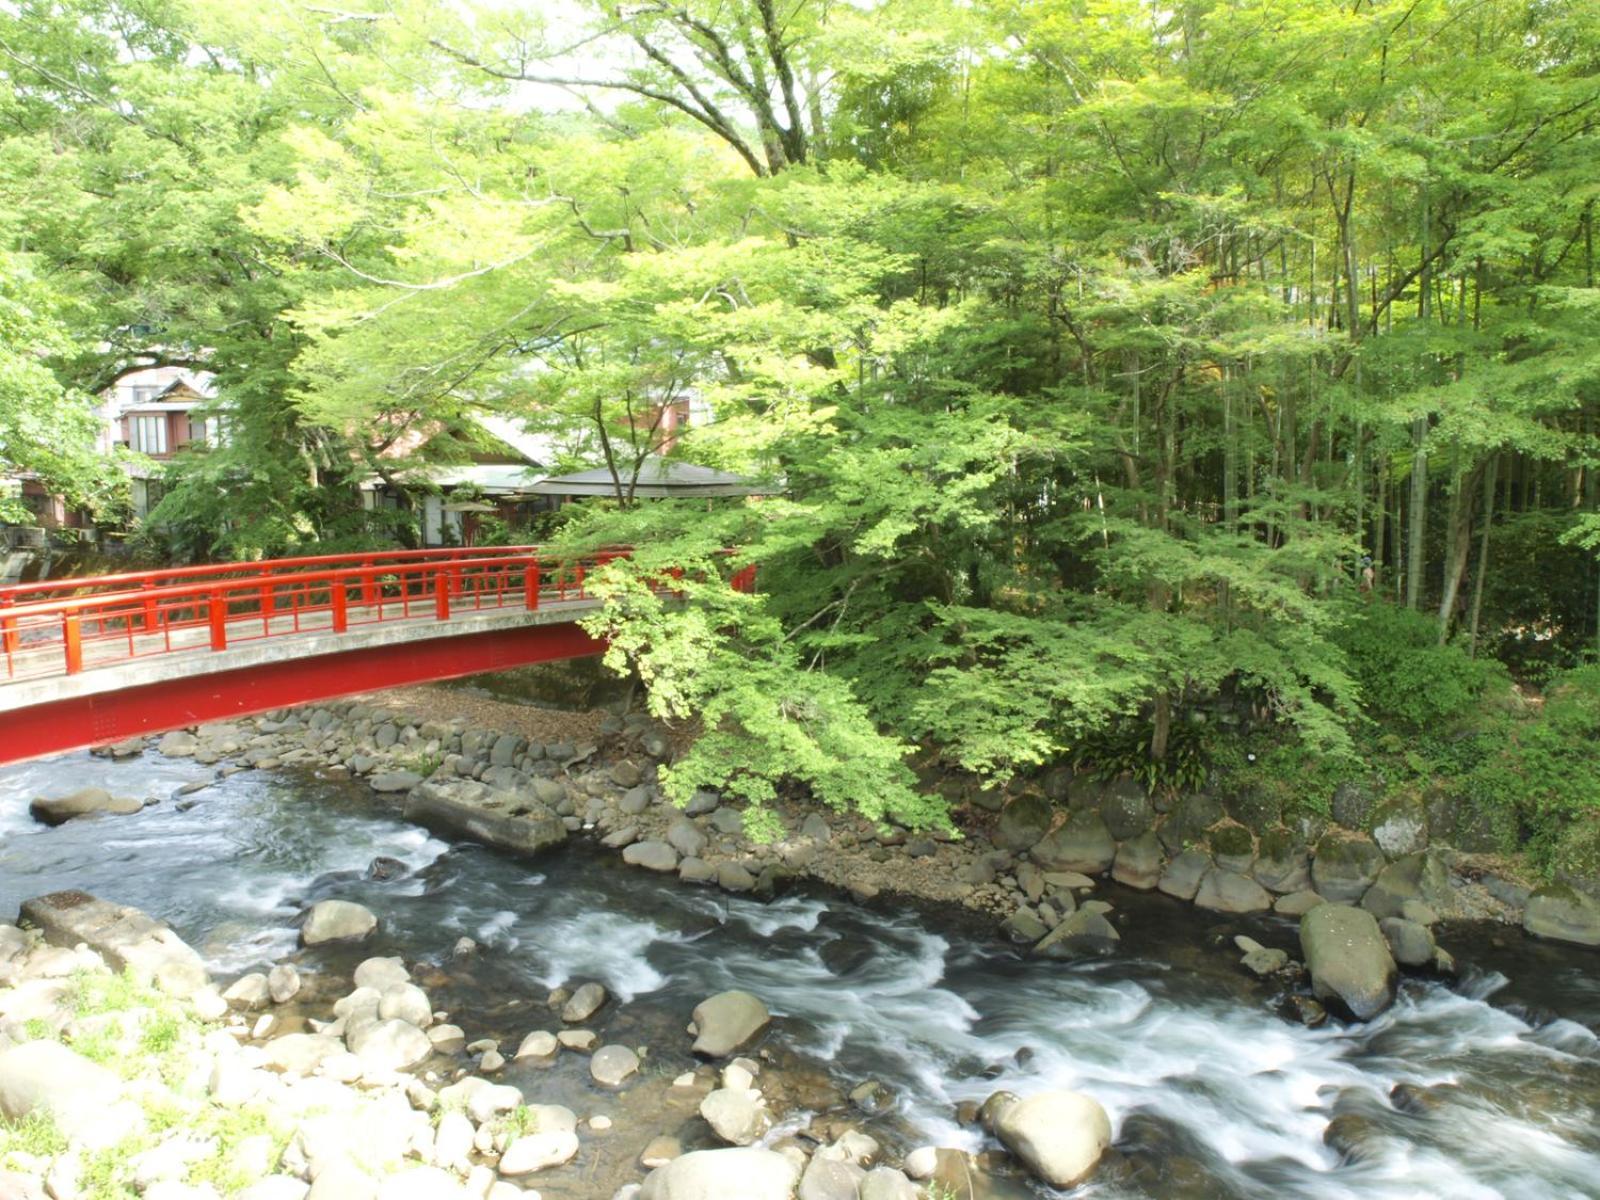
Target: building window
(197, 429)
(148, 435)
(143, 393)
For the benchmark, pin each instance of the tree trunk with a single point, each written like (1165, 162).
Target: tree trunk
(1483, 552)
(1417, 512)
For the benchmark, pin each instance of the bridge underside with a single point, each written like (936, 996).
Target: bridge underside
(252, 685)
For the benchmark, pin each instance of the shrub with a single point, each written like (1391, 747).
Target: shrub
(1406, 677)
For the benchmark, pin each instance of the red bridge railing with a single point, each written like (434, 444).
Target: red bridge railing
(119, 618)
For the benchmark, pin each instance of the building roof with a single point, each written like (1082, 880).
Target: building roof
(659, 479)
(494, 479)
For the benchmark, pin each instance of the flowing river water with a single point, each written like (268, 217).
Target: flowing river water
(1211, 1092)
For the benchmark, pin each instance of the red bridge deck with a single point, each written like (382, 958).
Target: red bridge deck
(89, 661)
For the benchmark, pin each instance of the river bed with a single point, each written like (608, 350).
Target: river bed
(1211, 1092)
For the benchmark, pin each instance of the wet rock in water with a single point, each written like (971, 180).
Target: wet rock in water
(1138, 862)
(1082, 844)
(85, 802)
(1353, 1137)
(383, 869)
(248, 992)
(283, 983)
(1023, 822)
(1258, 959)
(390, 1046)
(482, 1100)
(611, 1065)
(736, 1115)
(871, 1096)
(1416, 877)
(337, 921)
(1184, 873)
(537, 1151)
(1058, 1136)
(581, 1040)
(393, 781)
(380, 974)
(180, 743)
(456, 810)
(539, 1044)
(1345, 866)
(697, 870)
(651, 855)
(659, 1151)
(584, 1003)
(1562, 913)
(733, 1174)
(727, 1022)
(1348, 958)
(1283, 864)
(731, 877)
(1024, 925)
(447, 1039)
(1083, 934)
(1410, 943)
(1228, 891)
(406, 1002)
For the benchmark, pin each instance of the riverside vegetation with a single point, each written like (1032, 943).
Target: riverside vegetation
(1096, 350)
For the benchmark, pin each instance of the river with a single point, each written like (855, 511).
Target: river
(1212, 1093)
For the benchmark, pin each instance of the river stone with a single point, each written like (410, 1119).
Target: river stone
(736, 1115)
(626, 774)
(652, 855)
(1138, 862)
(535, 1151)
(452, 1140)
(393, 781)
(447, 1039)
(737, 1173)
(1184, 873)
(482, 1100)
(1232, 848)
(1282, 863)
(727, 1022)
(390, 1046)
(1415, 877)
(1563, 913)
(584, 1003)
(1082, 934)
(729, 821)
(1126, 809)
(128, 939)
(1348, 958)
(610, 1065)
(528, 829)
(1082, 844)
(248, 991)
(541, 1043)
(1186, 824)
(283, 983)
(684, 836)
(406, 1002)
(731, 877)
(82, 1098)
(697, 870)
(1058, 1136)
(1410, 943)
(301, 1053)
(1297, 904)
(1345, 866)
(1400, 825)
(1023, 822)
(886, 1183)
(337, 921)
(381, 973)
(85, 802)
(830, 1179)
(1024, 925)
(421, 1183)
(1228, 891)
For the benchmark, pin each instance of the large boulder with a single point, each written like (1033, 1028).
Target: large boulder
(1415, 877)
(1563, 913)
(1184, 873)
(1232, 848)
(128, 939)
(337, 921)
(85, 802)
(1023, 822)
(651, 855)
(1400, 825)
(535, 1151)
(390, 1046)
(727, 1022)
(1081, 935)
(83, 1099)
(1188, 821)
(1349, 959)
(737, 1173)
(1283, 864)
(1126, 809)
(1228, 891)
(527, 826)
(1411, 943)
(1058, 1136)
(1353, 802)
(1083, 844)
(1345, 866)
(1138, 862)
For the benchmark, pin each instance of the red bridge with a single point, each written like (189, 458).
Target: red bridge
(85, 662)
